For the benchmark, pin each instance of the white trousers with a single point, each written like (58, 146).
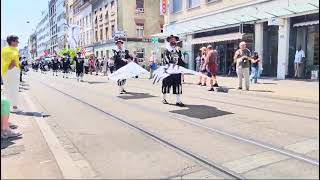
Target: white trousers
(11, 85)
(243, 73)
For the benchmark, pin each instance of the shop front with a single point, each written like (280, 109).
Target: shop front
(305, 33)
(226, 42)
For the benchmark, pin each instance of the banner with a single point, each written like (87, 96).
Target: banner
(73, 35)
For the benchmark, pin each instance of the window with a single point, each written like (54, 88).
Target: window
(112, 4)
(96, 36)
(107, 33)
(86, 20)
(140, 5)
(101, 53)
(176, 6)
(140, 30)
(106, 16)
(209, 1)
(100, 19)
(112, 30)
(193, 3)
(101, 34)
(105, 6)
(100, 9)
(140, 54)
(90, 20)
(87, 40)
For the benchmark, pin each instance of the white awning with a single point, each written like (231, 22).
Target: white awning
(218, 38)
(246, 14)
(308, 23)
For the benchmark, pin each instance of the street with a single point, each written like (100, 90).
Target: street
(92, 132)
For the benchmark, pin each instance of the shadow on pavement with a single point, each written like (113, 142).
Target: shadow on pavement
(33, 114)
(131, 95)
(201, 111)
(8, 142)
(262, 91)
(95, 82)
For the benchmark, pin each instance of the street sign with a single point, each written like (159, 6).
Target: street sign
(154, 40)
(120, 34)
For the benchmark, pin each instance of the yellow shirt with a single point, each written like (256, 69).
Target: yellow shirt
(9, 54)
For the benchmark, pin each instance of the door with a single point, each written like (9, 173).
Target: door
(270, 50)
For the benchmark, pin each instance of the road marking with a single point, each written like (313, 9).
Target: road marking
(67, 166)
(252, 162)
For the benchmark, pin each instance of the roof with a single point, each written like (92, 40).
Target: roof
(258, 12)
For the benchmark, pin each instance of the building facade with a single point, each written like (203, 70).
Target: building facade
(273, 28)
(137, 19)
(57, 22)
(23, 52)
(43, 34)
(82, 16)
(32, 46)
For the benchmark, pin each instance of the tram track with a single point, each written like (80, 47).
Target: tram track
(240, 138)
(205, 163)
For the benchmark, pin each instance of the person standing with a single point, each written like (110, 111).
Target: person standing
(104, 66)
(111, 65)
(198, 61)
(97, 65)
(298, 61)
(242, 60)
(10, 70)
(254, 68)
(203, 69)
(86, 65)
(21, 68)
(152, 63)
(79, 67)
(135, 59)
(211, 65)
(91, 65)
(172, 56)
(121, 57)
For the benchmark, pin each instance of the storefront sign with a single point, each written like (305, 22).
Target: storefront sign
(275, 21)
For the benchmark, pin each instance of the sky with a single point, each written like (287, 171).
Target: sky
(16, 13)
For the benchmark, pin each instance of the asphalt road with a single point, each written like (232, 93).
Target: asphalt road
(217, 135)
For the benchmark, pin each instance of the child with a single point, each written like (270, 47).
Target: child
(6, 131)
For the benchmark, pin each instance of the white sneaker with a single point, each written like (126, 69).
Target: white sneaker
(9, 134)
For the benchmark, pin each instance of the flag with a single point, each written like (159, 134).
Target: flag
(83, 51)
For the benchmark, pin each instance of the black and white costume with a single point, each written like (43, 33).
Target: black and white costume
(55, 66)
(79, 68)
(65, 66)
(121, 57)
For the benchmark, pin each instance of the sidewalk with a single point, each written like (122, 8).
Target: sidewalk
(27, 157)
(294, 90)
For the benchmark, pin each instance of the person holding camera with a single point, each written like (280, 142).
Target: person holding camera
(242, 58)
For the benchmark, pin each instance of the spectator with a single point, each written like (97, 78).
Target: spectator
(254, 68)
(6, 129)
(111, 65)
(242, 60)
(91, 64)
(10, 70)
(203, 78)
(211, 64)
(152, 63)
(86, 65)
(104, 66)
(298, 61)
(97, 65)
(198, 61)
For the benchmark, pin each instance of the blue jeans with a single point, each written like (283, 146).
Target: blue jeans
(254, 74)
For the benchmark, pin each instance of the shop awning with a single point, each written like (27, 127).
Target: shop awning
(309, 23)
(262, 10)
(218, 38)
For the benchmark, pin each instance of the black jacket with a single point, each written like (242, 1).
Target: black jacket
(118, 56)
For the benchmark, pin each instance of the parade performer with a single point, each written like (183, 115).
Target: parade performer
(121, 57)
(124, 70)
(170, 73)
(55, 66)
(79, 66)
(65, 66)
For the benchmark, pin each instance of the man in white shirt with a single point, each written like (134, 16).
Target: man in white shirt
(298, 60)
